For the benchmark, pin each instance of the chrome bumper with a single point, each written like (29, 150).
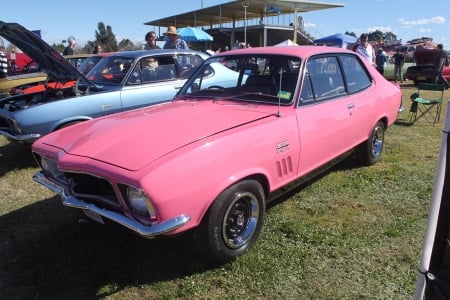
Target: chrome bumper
(21, 138)
(144, 230)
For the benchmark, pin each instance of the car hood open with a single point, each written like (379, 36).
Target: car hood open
(49, 60)
(133, 139)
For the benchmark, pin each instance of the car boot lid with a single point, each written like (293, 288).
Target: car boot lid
(148, 134)
(49, 60)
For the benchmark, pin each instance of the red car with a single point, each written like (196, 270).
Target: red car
(423, 70)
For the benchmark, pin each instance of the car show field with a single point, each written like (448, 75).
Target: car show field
(354, 224)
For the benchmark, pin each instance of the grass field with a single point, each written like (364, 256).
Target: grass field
(353, 233)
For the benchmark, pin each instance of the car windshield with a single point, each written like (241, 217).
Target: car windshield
(252, 78)
(110, 70)
(89, 63)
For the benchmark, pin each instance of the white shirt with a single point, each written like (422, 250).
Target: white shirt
(367, 52)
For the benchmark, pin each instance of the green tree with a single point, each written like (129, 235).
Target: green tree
(58, 47)
(126, 44)
(105, 37)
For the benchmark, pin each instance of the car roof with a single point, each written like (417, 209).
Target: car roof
(301, 51)
(142, 53)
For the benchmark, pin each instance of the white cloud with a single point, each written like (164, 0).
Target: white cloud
(310, 25)
(432, 20)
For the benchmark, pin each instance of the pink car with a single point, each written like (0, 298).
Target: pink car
(211, 160)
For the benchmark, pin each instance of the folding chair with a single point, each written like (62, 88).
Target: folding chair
(427, 103)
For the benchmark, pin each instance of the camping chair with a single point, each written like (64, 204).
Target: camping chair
(427, 103)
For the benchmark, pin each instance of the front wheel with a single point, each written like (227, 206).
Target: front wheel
(369, 152)
(233, 222)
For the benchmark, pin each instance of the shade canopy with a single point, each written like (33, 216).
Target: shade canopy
(337, 40)
(287, 42)
(192, 34)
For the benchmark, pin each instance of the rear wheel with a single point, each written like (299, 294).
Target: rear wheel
(233, 222)
(369, 152)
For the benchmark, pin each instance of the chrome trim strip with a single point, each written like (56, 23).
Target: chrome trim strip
(144, 230)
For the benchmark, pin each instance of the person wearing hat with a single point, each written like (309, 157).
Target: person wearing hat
(69, 50)
(174, 41)
(3, 60)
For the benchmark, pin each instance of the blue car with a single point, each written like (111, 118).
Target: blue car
(119, 82)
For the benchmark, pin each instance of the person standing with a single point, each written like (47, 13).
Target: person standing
(174, 41)
(365, 49)
(381, 60)
(439, 64)
(3, 60)
(398, 60)
(69, 50)
(150, 39)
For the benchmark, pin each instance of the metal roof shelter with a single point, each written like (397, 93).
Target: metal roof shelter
(231, 19)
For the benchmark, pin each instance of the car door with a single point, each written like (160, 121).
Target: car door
(323, 113)
(147, 85)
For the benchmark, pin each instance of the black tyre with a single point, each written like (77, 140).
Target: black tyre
(233, 222)
(369, 152)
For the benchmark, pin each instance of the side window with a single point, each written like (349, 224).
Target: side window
(306, 94)
(153, 69)
(355, 73)
(187, 64)
(325, 77)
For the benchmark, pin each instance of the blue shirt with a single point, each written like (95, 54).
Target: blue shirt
(179, 44)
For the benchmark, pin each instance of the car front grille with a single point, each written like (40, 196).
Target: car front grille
(92, 189)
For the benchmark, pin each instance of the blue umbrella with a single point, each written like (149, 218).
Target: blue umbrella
(190, 34)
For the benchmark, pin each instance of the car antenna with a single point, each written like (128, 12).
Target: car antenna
(279, 90)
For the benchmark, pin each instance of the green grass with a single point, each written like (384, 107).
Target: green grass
(353, 233)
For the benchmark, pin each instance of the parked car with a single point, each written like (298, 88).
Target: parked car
(91, 61)
(423, 70)
(34, 87)
(117, 83)
(210, 160)
(10, 82)
(389, 70)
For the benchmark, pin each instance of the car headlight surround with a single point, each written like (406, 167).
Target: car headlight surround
(50, 167)
(139, 203)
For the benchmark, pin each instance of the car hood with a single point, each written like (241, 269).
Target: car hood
(132, 140)
(49, 60)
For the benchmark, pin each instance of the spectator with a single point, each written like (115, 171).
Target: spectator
(365, 49)
(439, 64)
(174, 41)
(3, 60)
(399, 60)
(381, 60)
(150, 39)
(69, 50)
(97, 49)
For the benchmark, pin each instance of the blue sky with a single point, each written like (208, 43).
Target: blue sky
(407, 19)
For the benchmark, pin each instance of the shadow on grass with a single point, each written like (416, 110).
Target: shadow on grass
(14, 156)
(48, 251)
(346, 164)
